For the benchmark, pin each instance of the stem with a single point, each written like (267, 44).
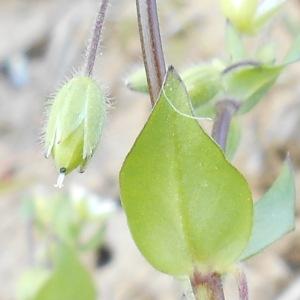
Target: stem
(93, 47)
(207, 287)
(242, 283)
(225, 110)
(151, 46)
(241, 64)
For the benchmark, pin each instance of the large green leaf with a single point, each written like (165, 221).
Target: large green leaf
(70, 280)
(274, 213)
(186, 205)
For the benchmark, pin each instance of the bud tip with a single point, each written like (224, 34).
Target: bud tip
(61, 177)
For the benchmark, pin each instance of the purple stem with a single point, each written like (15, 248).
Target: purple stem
(242, 284)
(93, 47)
(225, 110)
(250, 63)
(210, 283)
(151, 46)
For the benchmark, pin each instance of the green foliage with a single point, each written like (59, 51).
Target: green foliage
(274, 213)
(186, 206)
(62, 221)
(69, 281)
(31, 282)
(235, 49)
(248, 84)
(234, 137)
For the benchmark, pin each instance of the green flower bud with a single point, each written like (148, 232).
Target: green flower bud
(138, 81)
(75, 125)
(202, 82)
(248, 16)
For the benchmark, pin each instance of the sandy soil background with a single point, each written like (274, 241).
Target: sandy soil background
(41, 42)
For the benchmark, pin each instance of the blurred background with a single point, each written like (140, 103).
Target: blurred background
(41, 44)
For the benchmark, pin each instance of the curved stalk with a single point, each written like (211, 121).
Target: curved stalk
(94, 44)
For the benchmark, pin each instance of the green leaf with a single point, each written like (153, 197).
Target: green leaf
(250, 84)
(266, 54)
(235, 49)
(70, 280)
(274, 213)
(234, 137)
(186, 205)
(293, 54)
(31, 282)
(266, 11)
(95, 241)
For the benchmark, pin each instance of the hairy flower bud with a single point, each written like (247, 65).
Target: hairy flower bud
(75, 125)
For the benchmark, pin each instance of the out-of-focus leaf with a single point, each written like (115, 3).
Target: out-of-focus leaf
(234, 137)
(30, 283)
(70, 280)
(274, 213)
(293, 54)
(249, 84)
(266, 54)
(95, 241)
(235, 49)
(186, 205)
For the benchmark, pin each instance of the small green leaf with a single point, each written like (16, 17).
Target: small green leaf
(293, 54)
(235, 49)
(266, 11)
(274, 213)
(266, 54)
(234, 137)
(250, 84)
(186, 205)
(70, 280)
(95, 241)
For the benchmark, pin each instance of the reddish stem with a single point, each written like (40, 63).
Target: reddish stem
(151, 46)
(207, 285)
(93, 47)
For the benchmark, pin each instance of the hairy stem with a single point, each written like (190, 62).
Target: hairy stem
(151, 46)
(94, 44)
(225, 110)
